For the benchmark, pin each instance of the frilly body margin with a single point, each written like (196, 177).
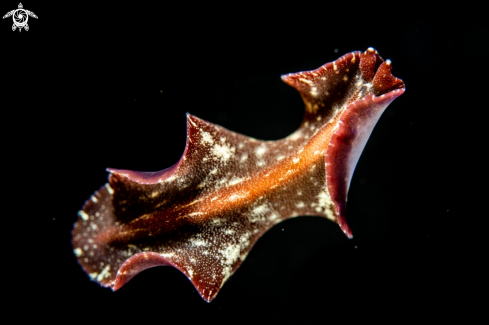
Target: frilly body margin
(344, 99)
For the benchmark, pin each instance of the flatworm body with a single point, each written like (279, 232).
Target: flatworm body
(204, 214)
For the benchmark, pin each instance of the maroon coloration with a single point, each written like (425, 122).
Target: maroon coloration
(347, 143)
(204, 214)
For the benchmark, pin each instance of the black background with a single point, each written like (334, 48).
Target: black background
(91, 86)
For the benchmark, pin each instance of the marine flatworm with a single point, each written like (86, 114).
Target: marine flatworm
(204, 214)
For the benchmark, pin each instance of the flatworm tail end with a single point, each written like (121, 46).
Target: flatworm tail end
(104, 247)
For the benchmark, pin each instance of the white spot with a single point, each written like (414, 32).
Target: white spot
(104, 274)
(260, 163)
(244, 157)
(197, 242)
(230, 254)
(295, 160)
(244, 240)
(167, 255)
(325, 202)
(78, 252)
(258, 213)
(309, 82)
(195, 214)
(109, 189)
(190, 272)
(229, 231)
(193, 202)
(300, 205)
(207, 138)
(192, 122)
(260, 209)
(93, 226)
(370, 49)
(234, 197)
(94, 199)
(235, 180)
(334, 66)
(83, 215)
(213, 172)
(295, 136)
(273, 216)
(260, 151)
(388, 62)
(93, 275)
(280, 158)
(224, 152)
(223, 181)
(314, 91)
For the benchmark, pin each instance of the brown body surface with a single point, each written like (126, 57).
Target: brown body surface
(204, 214)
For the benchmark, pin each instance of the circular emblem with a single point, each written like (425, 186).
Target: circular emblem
(20, 17)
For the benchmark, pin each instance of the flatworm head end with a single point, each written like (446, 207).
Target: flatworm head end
(351, 93)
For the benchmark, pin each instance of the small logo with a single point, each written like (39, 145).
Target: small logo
(20, 17)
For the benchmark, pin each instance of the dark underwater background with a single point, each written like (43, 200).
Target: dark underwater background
(95, 85)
